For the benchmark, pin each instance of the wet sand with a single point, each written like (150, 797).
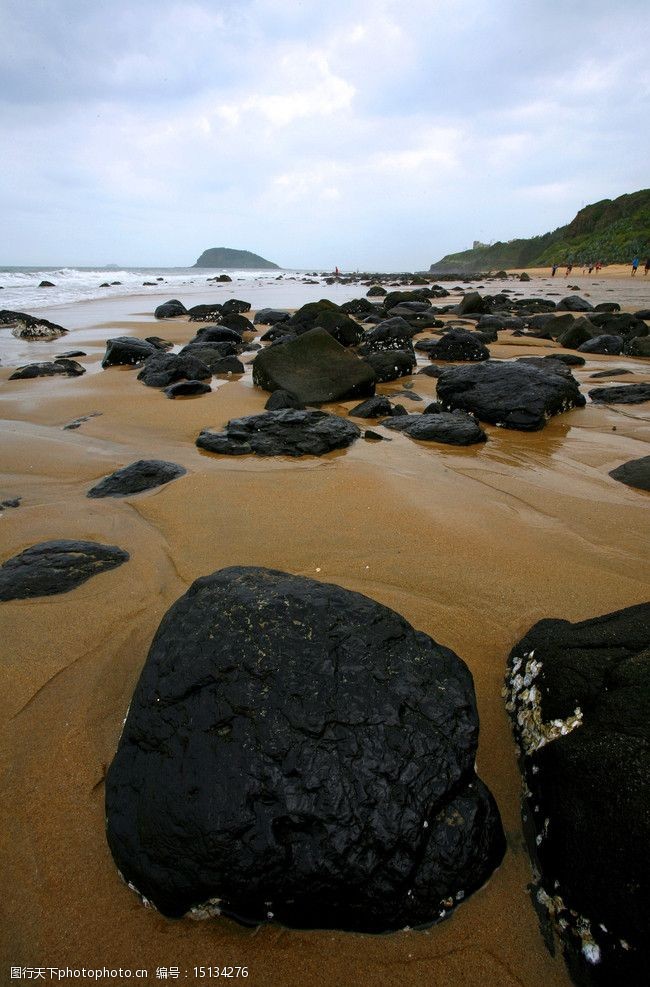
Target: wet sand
(470, 545)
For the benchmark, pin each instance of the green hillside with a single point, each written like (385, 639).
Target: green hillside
(220, 257)
(613, 231)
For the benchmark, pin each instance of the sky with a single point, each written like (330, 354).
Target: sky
(366, 134)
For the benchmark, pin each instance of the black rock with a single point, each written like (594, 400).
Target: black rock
(287, 432)
(432, 371)
(452, 428)
(607, 307)
(624, 394)
(435, 408)
(602, 344)
(239, 323)
(187, 388)
(574, 303)
(298, 752)
(513, 395)
(55, 567)
(170, 309)
(643, 313)
(218, 334)
(568, 359)
(579, 697)
(394, 298)
(165, 368)
(63, 367)
(637, 347)
(579, 332)
(315, 368)
(124, 350)
(236, 306)
(282, 399)
(358, 306)
(391, 364)
(30, 326)
(611, 372)
(635, 473)
(391, 334)
(10, 502)
(377, 407)
(472, 302)
(159, 343)
(375, 291)
(228, 365)
(328, 316)
(204, 313)
(211, 354)
(371, 436)
(271, 317)
(459, 345)
(46, 284)
(136, 477)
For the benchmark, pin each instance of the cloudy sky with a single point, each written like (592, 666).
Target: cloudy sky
(371, 134)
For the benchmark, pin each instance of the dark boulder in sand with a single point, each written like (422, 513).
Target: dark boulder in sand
(30, 326)
(513, 395)
(455, 428)
(472, 302)
(377, 407)
(574, 303)
(271, 317)
(159, 343)
(228, 365)
(236, 306)
(375, 291)
(623, 394)
(211, 354)
(392, 364)
(287, 432)
(145, 474)
(358, 306)
(328, 316)
(187, 388)
(603, 345)
(218, 334)
(568, 359)
(637, 347)
(239, 323)
(315, 368)
(282, 399)
(204, 313)
(391, 334)
(170, 309)
(62, 367)
(459, 345)
(55, 567)
(580, 331)
(125, 350)
(297, 752)
(579, 698)
(164, 368)
(635, 473)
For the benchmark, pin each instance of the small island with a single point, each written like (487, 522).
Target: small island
(219, 257)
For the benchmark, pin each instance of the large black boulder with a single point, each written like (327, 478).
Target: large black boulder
(164, 368)
(288, 432)
(580, 331)
(621, 394)
(30, 326)
(170, 309)
(472, 302)
(455, 428)
(579, 698)
(574, 303)
(459, 345)
(202, 313)
(329, 317)
(314, 368)
(235, 306)
(270, 317)
(211, 354)
(513, 395)
(298, 752)
(637, 346)
(218, 334)
(145, 474)
(391, 334)
(602, 344)
(55, 567)
(62, 367)
(125, 350)
(635, 473)
(391, 364)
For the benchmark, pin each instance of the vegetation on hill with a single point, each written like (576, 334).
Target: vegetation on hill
(612, 231)
(238, 259)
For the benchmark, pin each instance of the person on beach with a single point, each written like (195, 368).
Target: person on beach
(646, 267)
(635, 264)
(553, 269)
(569, 268)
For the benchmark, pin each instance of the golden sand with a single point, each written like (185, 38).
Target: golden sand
(471, 545)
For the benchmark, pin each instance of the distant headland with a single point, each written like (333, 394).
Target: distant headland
(612, 231)
(238, 259)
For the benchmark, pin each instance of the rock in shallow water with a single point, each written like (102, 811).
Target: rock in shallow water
(295, 751)
(452, 428)
(55, 567)
(514, 395)
(579, 697)
(289, 432)
(624, 394)
(145, 474)
(61, 367)
(635, 473)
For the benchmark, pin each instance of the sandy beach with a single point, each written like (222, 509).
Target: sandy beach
(472, 545)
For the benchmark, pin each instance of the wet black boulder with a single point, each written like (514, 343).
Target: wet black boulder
(602, 344)
(288, 432)
(270, 317)
(61, 367)
(392, 364)
(377, 407)
(454, 428)
(513, 395)
(297, 752)
(187, 388)
(459, 345)
(55, 567)
(125, 350)
(391, 334)
(165, 368)
(170, 309)
(145, 474)
(635, 473)
(314, 368)
(579, 698)
(622, 394)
